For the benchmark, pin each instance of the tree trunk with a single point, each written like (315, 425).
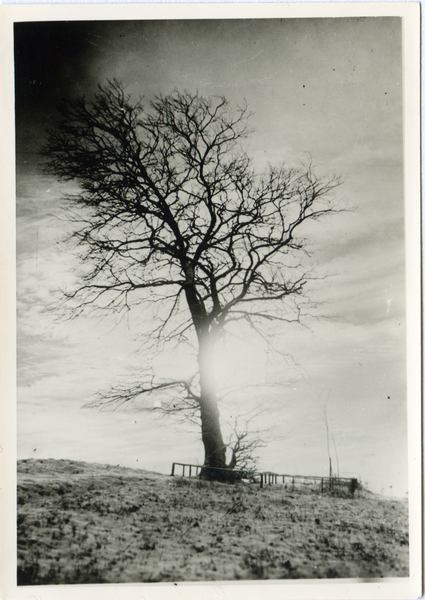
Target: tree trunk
(215, 450)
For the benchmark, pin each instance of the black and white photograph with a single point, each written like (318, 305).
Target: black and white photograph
(217, 300)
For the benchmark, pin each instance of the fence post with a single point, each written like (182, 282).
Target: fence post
(190, 470)
(172, 469)
(322, 485)
(261, 480)
(183, 470)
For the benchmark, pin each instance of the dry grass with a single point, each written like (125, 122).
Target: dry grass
(85, 523)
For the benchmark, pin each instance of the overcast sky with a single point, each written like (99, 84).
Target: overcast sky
(326, 88)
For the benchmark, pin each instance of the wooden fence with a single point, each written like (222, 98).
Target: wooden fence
(230, 475)
(193, 470)
(319, 483)
(265, 478)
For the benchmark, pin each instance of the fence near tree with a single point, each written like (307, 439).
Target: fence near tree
(265, 478)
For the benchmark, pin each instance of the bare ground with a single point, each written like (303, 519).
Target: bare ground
(90, 523)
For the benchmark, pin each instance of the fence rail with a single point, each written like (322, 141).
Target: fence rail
(197, 468)
(323, 483)
(230, 475)
(270, 478)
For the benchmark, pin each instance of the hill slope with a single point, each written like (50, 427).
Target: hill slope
(90, 523)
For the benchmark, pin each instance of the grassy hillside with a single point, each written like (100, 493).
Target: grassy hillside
(90, 523)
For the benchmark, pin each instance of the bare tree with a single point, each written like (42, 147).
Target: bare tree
(243, 444)
(171, 211)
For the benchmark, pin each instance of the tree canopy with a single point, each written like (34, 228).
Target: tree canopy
(170, 209)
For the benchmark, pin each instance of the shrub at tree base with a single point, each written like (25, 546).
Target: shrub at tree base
(225, 475)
